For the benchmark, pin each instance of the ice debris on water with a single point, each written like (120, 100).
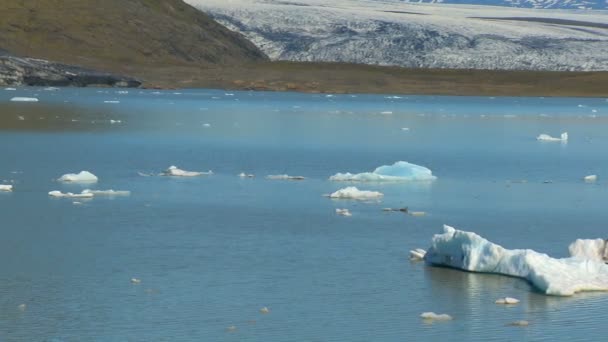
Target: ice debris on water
(264, 310)
(107, 192)
(135, 281)
(417, 254)
(285, 177)
(352, 192)
(24, 99)
(520, 323)
(83, 176)
(22, 307)
(6, 187)
(561, 277)
(431, 316)
(343, 212)
(57, 193)
(175, 171)
(590, 178)
(246, 175)
(417, 213)
(546, 137)
(398, 172)
(507, 300)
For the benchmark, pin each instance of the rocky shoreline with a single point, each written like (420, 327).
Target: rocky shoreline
(23, 71)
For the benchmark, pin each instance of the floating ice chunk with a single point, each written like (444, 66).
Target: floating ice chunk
(135, 281)
(398, 172)
(82, 177)
(562, 277)
(547, 137)
(231, 328)
(521, 323)
(111, 101)
(174, 171)
(206, 125)
(115, 121)
(6, 187)
(264, 310)
(22, 307)
(51, 89)
(343, 212)
(589, 249)
(507, 300)
(417, 254)
(405, 128)
(57, 193)
(285, 177)
(21, 117)
(590, 178)
(107, 192)
(10, 89)
(386, 112)
(417, 213)
(352, 192)
(24, 99)
(431, 316)
(246, 175)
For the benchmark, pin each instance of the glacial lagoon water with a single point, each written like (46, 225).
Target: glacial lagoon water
(211, 251)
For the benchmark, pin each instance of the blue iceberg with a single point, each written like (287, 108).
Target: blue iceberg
(401, 171)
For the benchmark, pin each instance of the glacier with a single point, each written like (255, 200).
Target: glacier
(419, 34)
(398, 172)
(561, 277)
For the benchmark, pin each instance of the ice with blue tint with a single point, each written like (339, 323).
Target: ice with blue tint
(561, 277)
(400, 171)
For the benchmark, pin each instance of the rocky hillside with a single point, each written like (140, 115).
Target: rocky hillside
(116, 35)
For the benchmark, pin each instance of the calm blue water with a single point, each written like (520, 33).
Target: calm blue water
(211, 251)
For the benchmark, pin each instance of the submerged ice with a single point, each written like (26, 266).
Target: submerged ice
(398, 172)
(562, 277)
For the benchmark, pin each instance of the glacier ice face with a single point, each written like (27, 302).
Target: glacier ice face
(398, 172)
(562, 277)
(352, 192)
(82, 177)
(418, 35)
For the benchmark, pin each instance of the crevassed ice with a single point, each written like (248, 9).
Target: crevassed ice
(562, 277)
(83, 176)
(398, 172)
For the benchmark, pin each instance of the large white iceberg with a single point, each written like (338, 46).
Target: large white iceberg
(562, 277)
(175, 171)
(547, 137)
(352, 192)
(398, 172)
(82, 177)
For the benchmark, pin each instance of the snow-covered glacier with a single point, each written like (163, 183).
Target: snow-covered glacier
(428, 35)
(561, 4)
(562, 277)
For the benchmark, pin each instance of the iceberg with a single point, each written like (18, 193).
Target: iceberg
(343, 212)
(417, 254)
(561, 277)
(7, 188)
(507, 301)
(431, 316)
(57, 193)
(352, 192)
(398, 172)
(175, 171)
(24, 99)
(246, 175)
(547, 137)
(285, 177)
(590, 178)
(82, 177)
(589, 249)
(107, 192)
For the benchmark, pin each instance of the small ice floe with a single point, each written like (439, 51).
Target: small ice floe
(246, 175)
(594, 111)
(122, 92)
(403, 210)
(143, 174)
(581, 106)
(590, 178)
(115, 121)
(285, 177)
(77, 203)
(51, 89)
(417, 254)
(405, 128)
(229, 94)
(521, 323)
(111, 101)
(107, 192)
(135, 281)
(24, 99)
(6, 187)
(57, 193)
(207, 125)
(507, 301)
(431, 316)
(417, 213)
(231, 328)
(175, 171)
(400, 171)
(21, 118)
(82, 177)
(264, 310)
(387, 112)
(22, 307)
(10, 89)
(546, 137)
(343, 212)
(352, 192)
(329, 95)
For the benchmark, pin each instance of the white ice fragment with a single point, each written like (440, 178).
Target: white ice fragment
(507, 300)
(561, 277)
(57, 193)
(417, 254)
(343, 212)
(521, 323)
(417, 213)
(111, 101)
(264, 310)
(10, 89)
(386, 112)
(352, 192)
(24, 99)
(246, 175)
(588, 249)
(175, 171)
(405, 128)
(22, 307)
(115, 121)
(82, 177)
(285, 177)
(431, 316)
(590, 178)
(51, 89)
(398, 172)
(77, 203)
(206, 125)
(21, 117)
(107, 192)
(135, 281)
(6, 187)
(546, 137)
